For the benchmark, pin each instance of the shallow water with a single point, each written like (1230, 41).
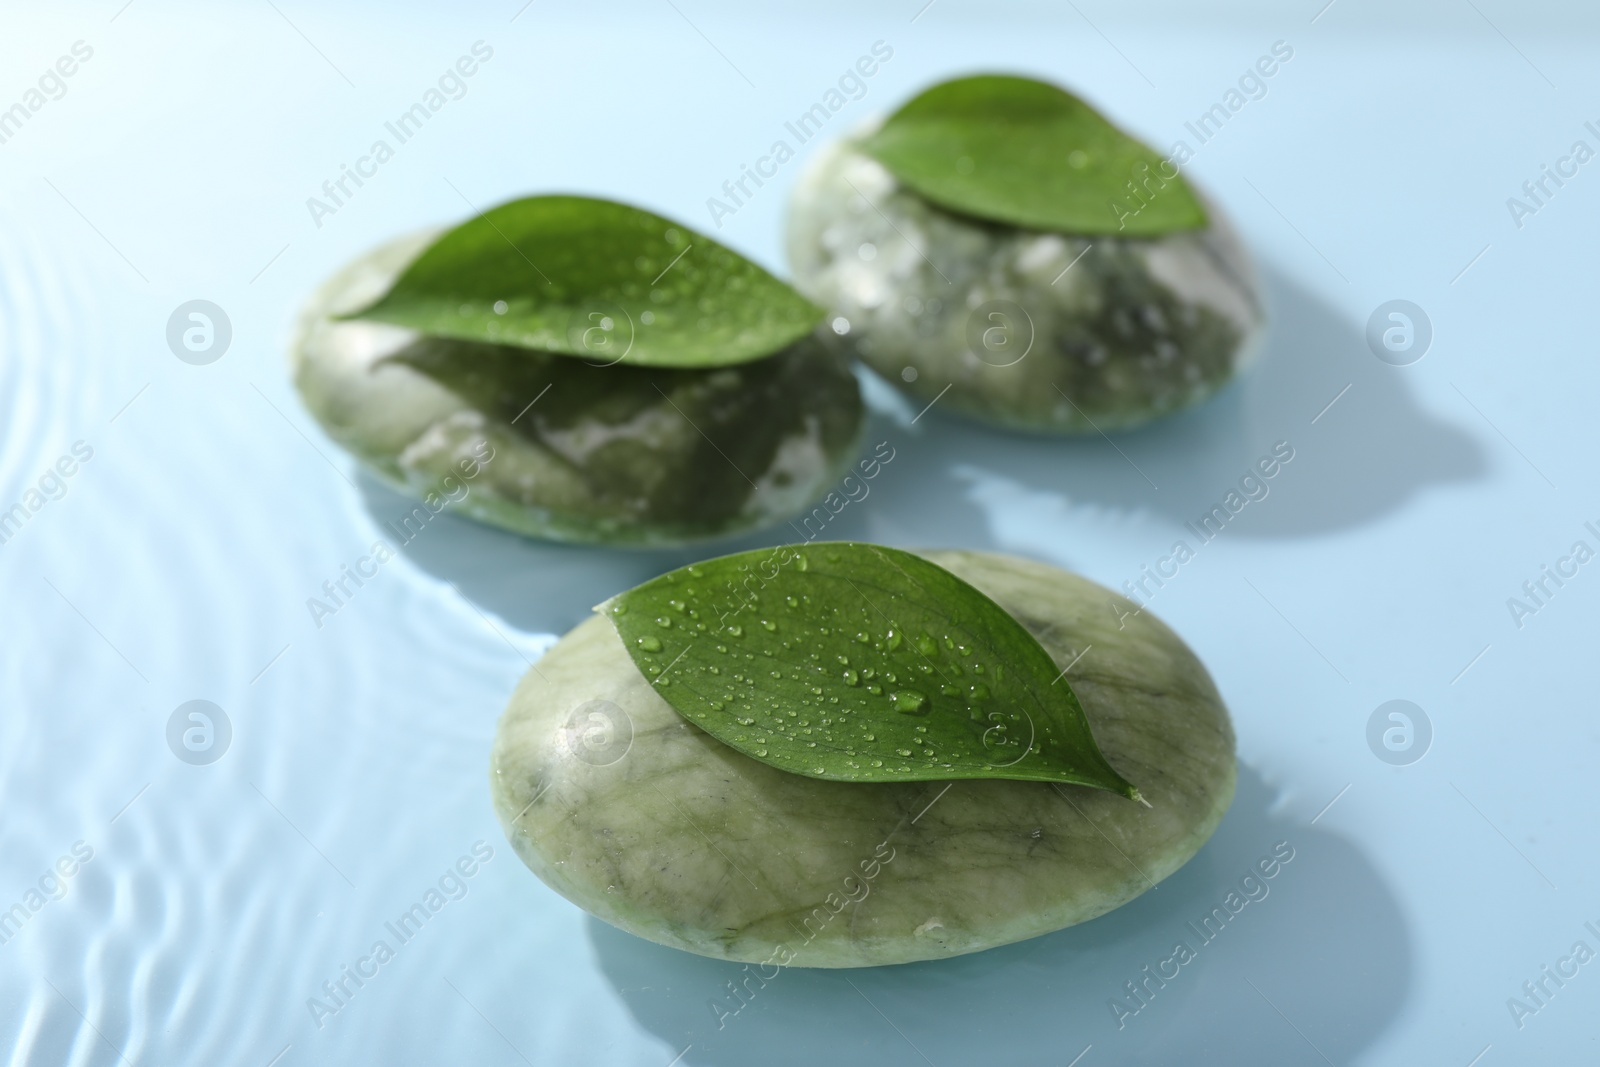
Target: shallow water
(175, 564)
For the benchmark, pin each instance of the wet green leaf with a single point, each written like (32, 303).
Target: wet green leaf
(1030, 154)
(859, 663)
(596, 279)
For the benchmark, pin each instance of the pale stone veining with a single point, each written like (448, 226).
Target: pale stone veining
(1034, 331)
(581, 452)
(667, 833)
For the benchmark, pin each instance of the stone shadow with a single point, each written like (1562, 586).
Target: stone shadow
(1369, 454)
(1327, 944)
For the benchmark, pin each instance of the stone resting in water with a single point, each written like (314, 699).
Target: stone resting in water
(1030, 330)
(625, 808)
(618, 455)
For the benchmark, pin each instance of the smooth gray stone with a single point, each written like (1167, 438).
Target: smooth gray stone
(1030, 330)
(618, 455)
(632, 813)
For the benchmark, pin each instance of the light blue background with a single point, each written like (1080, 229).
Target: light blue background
(178, 562)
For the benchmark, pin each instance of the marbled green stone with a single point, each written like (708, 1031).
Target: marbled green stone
(621, 455)
(1135, 329)
(629, 811)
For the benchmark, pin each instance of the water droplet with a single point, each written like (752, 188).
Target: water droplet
(819, 770)
(800, 561)
(927, 645)
(877, 763)
(619, 609)
(664, 622)
(677, 605)
(851, 677)
(735, 631)
(875, 690)
(909, 702)
(864, 638)
(979, 691)
(892, 640)
(769, 625)
(650, 644)
(791, 601)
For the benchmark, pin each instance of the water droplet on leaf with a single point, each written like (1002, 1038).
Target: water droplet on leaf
(909, 702)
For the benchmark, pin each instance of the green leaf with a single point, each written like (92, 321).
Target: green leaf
(592, 278)
(858, 663)
(1030, 154)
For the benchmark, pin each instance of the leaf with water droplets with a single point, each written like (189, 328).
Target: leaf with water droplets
(1031, 154)
(868, 672)
(600, 280)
